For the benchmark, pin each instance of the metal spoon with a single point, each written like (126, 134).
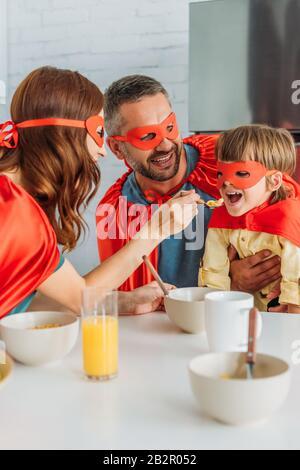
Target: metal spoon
(211, 207)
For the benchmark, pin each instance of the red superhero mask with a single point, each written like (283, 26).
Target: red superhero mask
(150, 137)
(9, 136)
(241, 175)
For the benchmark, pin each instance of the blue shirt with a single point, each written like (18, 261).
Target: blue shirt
(179, 256)
(23, 306)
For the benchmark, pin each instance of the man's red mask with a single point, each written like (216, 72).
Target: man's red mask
(150, 137)
(241, 175)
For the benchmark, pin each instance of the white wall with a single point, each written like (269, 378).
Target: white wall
(103, 39)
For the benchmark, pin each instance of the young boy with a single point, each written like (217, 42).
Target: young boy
(261, 209)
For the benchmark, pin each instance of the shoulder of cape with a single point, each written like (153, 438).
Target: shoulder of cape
(29, 237)
(282, 219)
(115, 191)
(219, 218)
(283, 212)
(205, 174)
(14, 198)
(205, 144)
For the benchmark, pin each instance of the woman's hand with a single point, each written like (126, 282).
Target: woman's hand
(143, 300)
(172, 217)
(183, 209)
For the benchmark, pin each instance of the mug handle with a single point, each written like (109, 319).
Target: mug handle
(246, 311)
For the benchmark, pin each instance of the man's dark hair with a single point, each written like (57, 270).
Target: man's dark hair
(129, 89)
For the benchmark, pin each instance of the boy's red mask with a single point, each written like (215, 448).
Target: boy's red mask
(9, 136)
(150, 137)
(241, 175)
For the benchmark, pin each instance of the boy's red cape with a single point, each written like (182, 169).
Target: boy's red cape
(282, 218)
(28, 248)
(204, 177)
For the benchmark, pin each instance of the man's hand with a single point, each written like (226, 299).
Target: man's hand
(255, 273)
(143, 300)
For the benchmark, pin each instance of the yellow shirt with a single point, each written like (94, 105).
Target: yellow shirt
(215, 267)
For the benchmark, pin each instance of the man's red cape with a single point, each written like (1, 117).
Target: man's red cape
(282, 218)
(28, 248)
(204, 177)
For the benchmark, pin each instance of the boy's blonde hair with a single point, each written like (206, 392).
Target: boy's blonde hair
(273, 148)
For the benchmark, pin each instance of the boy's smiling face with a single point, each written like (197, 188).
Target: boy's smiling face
(252, 162)
(245, 185)
(240, 201)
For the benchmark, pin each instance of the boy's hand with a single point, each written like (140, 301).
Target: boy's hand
(255, 273)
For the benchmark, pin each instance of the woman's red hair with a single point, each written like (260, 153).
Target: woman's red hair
(56, 167)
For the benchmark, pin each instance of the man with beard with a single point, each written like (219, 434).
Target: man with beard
(142, 130)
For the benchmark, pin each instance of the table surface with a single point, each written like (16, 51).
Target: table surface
(149, 406)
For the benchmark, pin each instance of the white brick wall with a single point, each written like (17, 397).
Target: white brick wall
(103, 39)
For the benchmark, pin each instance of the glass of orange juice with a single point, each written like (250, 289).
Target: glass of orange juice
(100, 333)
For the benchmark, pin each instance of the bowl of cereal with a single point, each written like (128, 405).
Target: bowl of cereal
(222, 391)
(38, 338)
(186, 308)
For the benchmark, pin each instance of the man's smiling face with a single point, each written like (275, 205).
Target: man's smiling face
(161, 163)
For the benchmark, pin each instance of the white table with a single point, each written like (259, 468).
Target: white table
(150, 405)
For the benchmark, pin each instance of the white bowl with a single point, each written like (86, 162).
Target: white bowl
(239, 402)
(5, 371)
(37, 347)
(186, 308)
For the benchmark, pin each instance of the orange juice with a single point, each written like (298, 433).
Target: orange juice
(100, 346)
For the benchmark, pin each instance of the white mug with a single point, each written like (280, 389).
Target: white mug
(227, 321)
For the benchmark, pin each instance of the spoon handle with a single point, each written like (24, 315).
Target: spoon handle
(251, 355)
(155, 275)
